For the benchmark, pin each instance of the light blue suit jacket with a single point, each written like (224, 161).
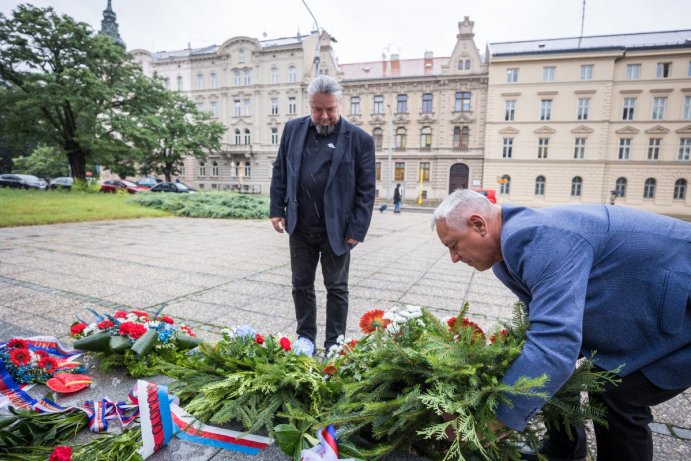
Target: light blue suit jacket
(597, 279)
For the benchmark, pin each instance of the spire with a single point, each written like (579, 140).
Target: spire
(109, 27)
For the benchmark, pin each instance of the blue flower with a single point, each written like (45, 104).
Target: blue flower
(303, 346)
(245, 331)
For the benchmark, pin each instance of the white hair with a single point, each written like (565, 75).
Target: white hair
(459, 205)
(324, 85)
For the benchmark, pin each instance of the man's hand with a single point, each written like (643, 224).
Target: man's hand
(279, 224)
(351, 241)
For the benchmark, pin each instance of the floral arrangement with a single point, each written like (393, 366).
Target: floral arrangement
(134, 339)
(28, 364)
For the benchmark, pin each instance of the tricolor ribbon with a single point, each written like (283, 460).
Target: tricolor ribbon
(327, 450)
(11, 393)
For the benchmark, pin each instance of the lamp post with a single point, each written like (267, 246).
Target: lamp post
(388, 168)
(317, 50)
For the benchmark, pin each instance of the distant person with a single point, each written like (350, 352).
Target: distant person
(397, 199)
(322, 194)
(177, 180)
(610, 283)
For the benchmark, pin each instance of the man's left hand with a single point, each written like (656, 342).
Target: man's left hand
(351, 241)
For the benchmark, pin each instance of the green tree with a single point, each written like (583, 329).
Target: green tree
(63, 85)
(44, 161)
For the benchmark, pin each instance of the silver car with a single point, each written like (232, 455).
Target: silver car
(22, 181)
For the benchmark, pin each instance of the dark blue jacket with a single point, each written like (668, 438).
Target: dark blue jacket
(597, 279)
(350, 187)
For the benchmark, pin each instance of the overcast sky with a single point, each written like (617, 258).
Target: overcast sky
(365, 29)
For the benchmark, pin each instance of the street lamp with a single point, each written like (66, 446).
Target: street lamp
(388, 168)
(317, 50)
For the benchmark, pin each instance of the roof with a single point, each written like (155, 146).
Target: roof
(213, 49)
(642, 41)
(393, 68)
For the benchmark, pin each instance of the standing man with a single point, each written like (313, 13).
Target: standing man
(322, 194)
(608, 282)
(397, 199)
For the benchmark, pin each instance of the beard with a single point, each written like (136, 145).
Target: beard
(324, 130)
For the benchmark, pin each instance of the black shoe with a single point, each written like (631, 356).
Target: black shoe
(527, 454)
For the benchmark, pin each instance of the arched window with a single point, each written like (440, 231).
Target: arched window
(202, 169)
(620, 187)
(241, 55)
(467, 64)
(200, 81)
(649, 188)
(680, 189)
(540, 185)
(274, 75)
(236, 78)
(378, 135)
(426, 138)
(248, 139)
(400, 138)
(456, 143)
(238, 137)
(505, 184)
(292, 74)
(179, 83)
(214, 81)
(465, 138)
(576, 186)
(214, 169)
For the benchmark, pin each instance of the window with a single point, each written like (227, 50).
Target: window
(200, 81)
(237, 108)
(633, 71)
(629, 108)
(509, 110)
(202, 169)
(680, 189)
(182, 169)
(505, 187)
(620, 187)
(238, 137)
(402, 104)
(274, 106)
(507, 148)
(213, 108)
(426, 138)
(378, 135)
(546, 109)
(274, 75)
(166, 82)
(399, 171)
(248, 77)
(400, 138)
(462, 101)
(540, 185)
(214, 169)
(654, 148)
(576, 186)
(659, 108)
(274, 136)
(179, 83)
(465, 138)
(379, 104)
(377, 171)
(248, 169)
(247, 106)
(466, 65)
(542, 147)
(236, 78)
(292, 105)
(355, 105)
(688, 72)
(213, 80)
(579, 149)
(684, 149)
(424, 171)
(586, 72)
(649, 188)
(456, 142)
(686, 112)
(583, 108)
(241, 55)
(624, 148)
(248, 138)
(548, 73)
(200, 106)
(512, 75)
(292, 74)
(233, 169)
(427, 103)
(664, 70)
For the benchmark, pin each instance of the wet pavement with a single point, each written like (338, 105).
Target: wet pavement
(212, 274)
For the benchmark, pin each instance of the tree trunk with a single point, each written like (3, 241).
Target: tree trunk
(77, 160)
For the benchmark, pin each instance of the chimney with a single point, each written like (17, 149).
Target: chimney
(429, 61)
(395, 65)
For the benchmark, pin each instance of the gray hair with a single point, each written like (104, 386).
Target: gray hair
(459, 205)
(324, 85)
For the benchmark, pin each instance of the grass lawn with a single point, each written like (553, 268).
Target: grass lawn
(26, 208)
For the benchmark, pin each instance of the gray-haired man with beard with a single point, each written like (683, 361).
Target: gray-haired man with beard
(322, 194)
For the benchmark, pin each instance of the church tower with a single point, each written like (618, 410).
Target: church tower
(109, 26)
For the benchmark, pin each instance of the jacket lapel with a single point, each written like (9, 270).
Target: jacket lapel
(341, 144)
(295, 149)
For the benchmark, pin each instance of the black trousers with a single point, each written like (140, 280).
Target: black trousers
(627, 436)
(306, 250)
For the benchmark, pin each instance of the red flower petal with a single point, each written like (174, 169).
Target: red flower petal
(373, 320)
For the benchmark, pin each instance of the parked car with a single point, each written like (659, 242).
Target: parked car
(177, 187)
(21, 181)
(148, 182)
(491, 194)
(114, 185)
(62, 183)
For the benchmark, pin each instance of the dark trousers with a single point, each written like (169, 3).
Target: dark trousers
(627, 436)
(305, 252)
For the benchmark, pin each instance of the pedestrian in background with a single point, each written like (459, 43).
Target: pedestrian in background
(397, 199)
(322, 194)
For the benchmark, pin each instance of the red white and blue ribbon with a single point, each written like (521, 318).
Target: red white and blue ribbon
(327, 450)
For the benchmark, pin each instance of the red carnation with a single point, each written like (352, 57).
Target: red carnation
(125, 328)
(61, 453)
(105, 324)
(17, 343)
(187, 330)
(41, 353)
(494, 337)
(451, 322)
(285, 343)
(77, 328)
(48, 363)
(141, 314)
(20, 356)
(136, 330)
(258, 339)
(167, 319)
(120, 315)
